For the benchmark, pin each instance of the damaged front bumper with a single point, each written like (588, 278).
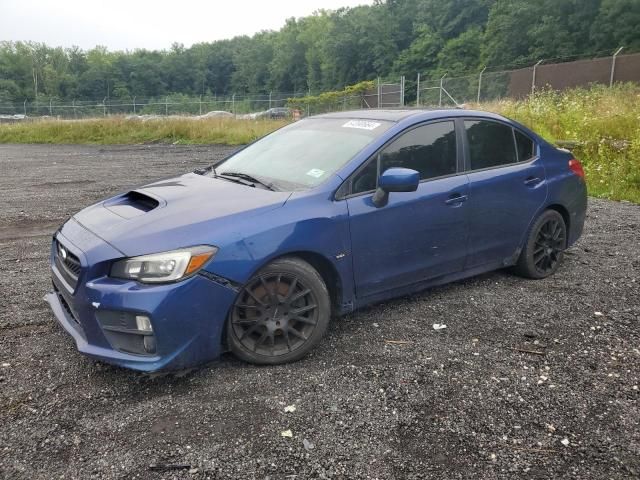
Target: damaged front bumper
(142, 327)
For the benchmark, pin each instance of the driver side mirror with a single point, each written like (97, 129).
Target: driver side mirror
(395, 180)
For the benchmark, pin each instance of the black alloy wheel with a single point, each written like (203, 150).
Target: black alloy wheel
(544, 249)
(549, 246)
(280, 314)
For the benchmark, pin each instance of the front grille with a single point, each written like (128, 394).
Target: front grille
(68, 264)
(65, 304)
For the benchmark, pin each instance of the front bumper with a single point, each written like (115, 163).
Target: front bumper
(187, 317)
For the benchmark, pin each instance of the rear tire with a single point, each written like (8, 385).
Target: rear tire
(280, 315)
(544, 248)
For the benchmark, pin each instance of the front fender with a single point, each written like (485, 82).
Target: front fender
(304, 225)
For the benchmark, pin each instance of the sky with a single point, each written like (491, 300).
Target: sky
(151, 24)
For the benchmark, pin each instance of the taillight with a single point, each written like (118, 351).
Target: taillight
(576, 167)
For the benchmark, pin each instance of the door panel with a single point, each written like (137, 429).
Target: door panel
(502, 203)
(505, 190)
(416, 236)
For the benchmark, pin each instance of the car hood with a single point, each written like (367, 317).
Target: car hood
(175, 213)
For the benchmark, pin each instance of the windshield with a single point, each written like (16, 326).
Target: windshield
(303, 154)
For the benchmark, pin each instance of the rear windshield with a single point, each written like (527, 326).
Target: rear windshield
(304, 154)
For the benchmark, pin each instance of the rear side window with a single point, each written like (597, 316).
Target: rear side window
(526, 147)
(490, 144)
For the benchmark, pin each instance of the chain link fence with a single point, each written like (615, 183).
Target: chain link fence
(445, 91)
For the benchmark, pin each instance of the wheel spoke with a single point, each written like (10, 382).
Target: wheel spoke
(270, 292)
(249, 331)
(300, 295)
(309, 321)
(245, 321)
(540, 256)
(296, 333)
(303, 309)
(253, 295)
(259, 342)
(286, 336)
(292, 288)
(244, 305)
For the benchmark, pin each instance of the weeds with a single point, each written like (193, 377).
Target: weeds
(601, 124)
(118, 130)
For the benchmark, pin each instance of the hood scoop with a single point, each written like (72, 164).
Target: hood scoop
(131, 204)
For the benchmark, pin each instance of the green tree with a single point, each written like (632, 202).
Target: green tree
(617, 24)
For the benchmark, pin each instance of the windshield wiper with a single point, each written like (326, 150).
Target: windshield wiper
(248, 178)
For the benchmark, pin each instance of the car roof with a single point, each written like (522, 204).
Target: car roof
(396, 115)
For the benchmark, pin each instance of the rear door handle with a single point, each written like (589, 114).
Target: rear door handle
(532, 181)
(456, 198)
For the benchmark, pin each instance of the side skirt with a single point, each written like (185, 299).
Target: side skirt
(432, 282)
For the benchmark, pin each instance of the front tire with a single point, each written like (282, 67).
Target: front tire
(280, 315)
(544, 249)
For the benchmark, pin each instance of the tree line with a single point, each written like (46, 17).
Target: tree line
(331, 49)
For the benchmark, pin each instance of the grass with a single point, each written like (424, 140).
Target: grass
(118, 130)
(601, 124)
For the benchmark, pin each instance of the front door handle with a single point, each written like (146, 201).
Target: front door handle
(455, 199)
(532, 181)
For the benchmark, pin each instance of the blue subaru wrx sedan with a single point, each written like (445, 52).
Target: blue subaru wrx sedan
(317, 219)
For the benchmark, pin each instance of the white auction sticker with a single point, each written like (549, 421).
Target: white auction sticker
(363, 124)
(315, 172)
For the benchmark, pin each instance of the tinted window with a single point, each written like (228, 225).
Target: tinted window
(366, 179)
(490, 144)
(526, 147)
(430, 150)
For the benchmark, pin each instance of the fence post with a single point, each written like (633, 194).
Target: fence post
(166, 106)
(480, 83)
(134, 105)
(233, 103)
(200, 102)
(418, 92)
(378, 92)
(533, 80)
(270, 100)
(75, 112)
(402, 91)
(441, 85)
(613, 66)
(104, 107)
(24, 107)
(50, 110)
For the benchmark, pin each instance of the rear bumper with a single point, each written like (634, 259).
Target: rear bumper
(578, 213)
(187, 317)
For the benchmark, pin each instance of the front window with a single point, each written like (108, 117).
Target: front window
(428, 149)
(303, 154)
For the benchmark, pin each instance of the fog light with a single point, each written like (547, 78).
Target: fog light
(149, 344)
(143, 323)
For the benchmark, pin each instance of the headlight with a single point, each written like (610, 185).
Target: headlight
(163, 267)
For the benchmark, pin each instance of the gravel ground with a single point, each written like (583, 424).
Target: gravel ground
(530, 379)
